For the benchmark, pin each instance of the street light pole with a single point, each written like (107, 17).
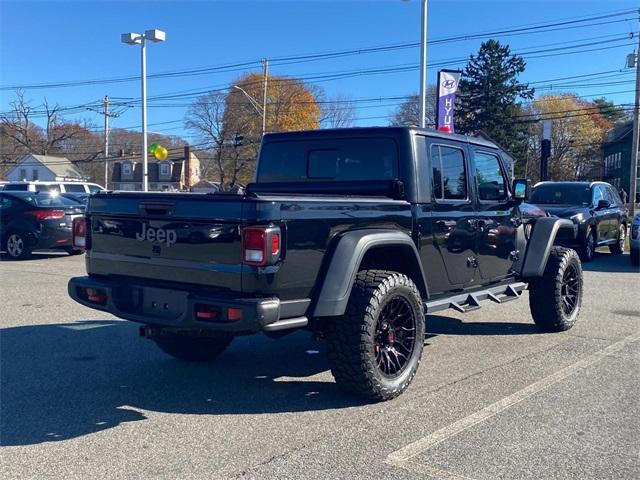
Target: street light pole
(423, 67)
(154, 35)
(143, 74)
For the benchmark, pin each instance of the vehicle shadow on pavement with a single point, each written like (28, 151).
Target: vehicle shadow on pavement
(440, 325)
(606, 262)
(62, 381)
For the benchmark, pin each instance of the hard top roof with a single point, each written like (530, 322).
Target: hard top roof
(368, 131)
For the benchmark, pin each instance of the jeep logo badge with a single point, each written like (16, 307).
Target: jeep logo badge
(150, 234)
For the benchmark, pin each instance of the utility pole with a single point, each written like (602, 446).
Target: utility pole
(545, 150)
(105, 103)
(265, 64)
(107, 114)
(633, 185)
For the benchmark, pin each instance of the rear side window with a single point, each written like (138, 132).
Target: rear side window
(330, 159)
(74, 188)
(449, 173)
(489, 177)
(45, 200)
(94, 189)
(16, 187)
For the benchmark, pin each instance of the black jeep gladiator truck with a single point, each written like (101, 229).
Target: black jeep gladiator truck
(355, 234)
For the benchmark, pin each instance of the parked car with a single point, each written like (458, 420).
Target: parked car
(354, 234)
(37, 221)
(634, 243)
(79, 189)
(594, 207)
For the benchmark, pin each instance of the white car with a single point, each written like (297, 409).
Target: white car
(77, 188)
(634, 241)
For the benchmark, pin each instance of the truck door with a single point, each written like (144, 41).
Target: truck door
(453, 212)
(497, 220)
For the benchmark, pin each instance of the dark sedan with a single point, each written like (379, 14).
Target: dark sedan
(37, 221)
(595, 207)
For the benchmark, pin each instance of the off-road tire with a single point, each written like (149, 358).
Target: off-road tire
(587, 250)
(549, 295)
(618, 247)
(352, 342)
(192, 348)
(17, 246)
(634, 256)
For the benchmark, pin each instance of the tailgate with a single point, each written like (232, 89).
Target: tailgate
(189, 238)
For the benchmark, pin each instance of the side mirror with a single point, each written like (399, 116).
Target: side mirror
(603, 205)
(521, 189)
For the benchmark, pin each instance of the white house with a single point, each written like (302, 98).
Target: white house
(44, 168)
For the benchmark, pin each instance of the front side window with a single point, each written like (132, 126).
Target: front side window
(489, 177)
(598, 194)
(449, 173)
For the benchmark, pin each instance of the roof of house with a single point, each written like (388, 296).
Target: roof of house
(620, 132)
(60, 166)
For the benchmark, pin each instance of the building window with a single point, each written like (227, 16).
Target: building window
(23, 174)
(126, 169)
(34, 174)
(165, 171)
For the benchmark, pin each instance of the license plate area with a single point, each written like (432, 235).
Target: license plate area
(163, 303)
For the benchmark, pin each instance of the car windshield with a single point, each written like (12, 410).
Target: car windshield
(561, 194)
(45, 199)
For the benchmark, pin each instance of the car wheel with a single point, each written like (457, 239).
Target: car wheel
(588, 249)
(635, 256)
(375, 348)
(618, 247)
(192, 348)
(556, 297)
(17, 246)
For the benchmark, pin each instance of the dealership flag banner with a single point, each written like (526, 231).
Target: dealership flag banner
(447, 88)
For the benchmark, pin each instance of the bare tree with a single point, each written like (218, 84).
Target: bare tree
(206, 118)
(408, 112)
(337, 112)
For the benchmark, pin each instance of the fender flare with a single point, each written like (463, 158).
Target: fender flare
(543, 236)
(345, 262)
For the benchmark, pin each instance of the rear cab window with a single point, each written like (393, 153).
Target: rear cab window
(332, 159)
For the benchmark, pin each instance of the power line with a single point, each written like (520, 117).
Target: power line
(535, 28)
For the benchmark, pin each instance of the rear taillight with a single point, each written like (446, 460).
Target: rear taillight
(80, 239)
(46, 214)
(260, 245)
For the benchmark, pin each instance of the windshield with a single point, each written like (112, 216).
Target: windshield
(48, 200)
(561, 194)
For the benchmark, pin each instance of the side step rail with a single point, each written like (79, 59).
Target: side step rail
(468, 302)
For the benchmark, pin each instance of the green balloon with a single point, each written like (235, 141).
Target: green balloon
(152, 148)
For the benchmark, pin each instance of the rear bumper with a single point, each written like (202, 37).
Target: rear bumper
(173, 308)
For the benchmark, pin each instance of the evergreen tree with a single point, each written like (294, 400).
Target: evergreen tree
(489, 97)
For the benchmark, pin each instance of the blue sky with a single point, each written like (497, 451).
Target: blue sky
(56, 41)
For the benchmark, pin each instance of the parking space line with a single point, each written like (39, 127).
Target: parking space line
(401, 457)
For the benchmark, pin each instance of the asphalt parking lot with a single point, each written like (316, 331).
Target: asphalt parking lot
(82, 396)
